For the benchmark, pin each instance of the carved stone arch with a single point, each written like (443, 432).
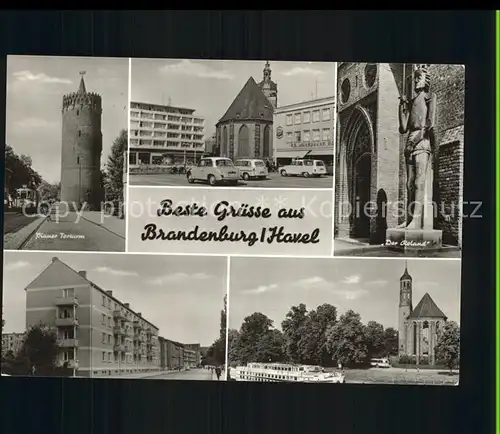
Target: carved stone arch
(353, 125)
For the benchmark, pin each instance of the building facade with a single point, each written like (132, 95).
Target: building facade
(97, 333)
(164, 134)
(305, 130)
(175, 355)
(246, 129)
(197, 352)
(419, 326)
(370, 164)
(12, 342)
(81, 148)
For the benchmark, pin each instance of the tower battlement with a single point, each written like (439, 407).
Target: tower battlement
(90, 100)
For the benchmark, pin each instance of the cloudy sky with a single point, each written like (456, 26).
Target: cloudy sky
(35, 87)
(368, 286)
(182, 295)
(210, 86)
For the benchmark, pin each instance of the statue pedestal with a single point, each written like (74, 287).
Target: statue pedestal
(413, 239)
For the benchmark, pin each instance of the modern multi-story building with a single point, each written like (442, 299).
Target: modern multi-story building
(304, 130)
(12, 342)
(160, 133)
(175, 355)
(97, 333)
(190, 357)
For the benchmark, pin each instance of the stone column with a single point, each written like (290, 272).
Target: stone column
(343, 206)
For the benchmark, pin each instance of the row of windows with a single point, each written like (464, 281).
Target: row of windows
(165, 143)
(305, 117)
(306, 136)
(158, 117)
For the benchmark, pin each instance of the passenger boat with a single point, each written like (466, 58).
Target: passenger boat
(281, 372)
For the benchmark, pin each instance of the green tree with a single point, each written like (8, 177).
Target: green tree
(375, 339)
(269, 347)
(254, 328)
(232, 341)
(312, 344)
(293, 327)
(19, 172)
(346, 339)
(391, 341)
(113, 180)
(48, 191)
(448, 345)
(39, 350)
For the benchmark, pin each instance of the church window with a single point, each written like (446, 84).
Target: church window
(345, 91)
(316, 116)
(297, 119)
(306, 117)
(326, 114)
(289, 120)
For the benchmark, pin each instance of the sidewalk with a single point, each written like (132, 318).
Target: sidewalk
(15, 240)
(111, 223)
(137, 375)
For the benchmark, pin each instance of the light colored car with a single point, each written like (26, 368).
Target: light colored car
(380, 363)
(251, 168)
(214, 170)
(305, 168)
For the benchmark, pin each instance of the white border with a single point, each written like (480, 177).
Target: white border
(129, 92)
(228, 290)
(334, 134)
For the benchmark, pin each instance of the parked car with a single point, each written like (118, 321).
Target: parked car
(380, 363)
(214, 170)
(251, 168)
(305, 168)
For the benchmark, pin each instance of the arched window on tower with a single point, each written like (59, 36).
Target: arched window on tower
(78, 112)
(79, 133)
(77, 160)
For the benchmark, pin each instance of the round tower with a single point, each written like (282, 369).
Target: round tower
(405, 309)
(81, 148)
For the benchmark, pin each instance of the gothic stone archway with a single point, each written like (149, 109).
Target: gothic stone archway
(357, 175)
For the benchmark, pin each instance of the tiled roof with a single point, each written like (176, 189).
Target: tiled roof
(426, 308)
(249, 104)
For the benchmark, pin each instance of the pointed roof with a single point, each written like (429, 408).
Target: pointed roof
(81, 88)
(406, 275)
(426, 308)
(57, 274)
(250, 103)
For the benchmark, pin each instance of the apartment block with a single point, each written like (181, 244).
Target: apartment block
(97, 333)
(12, 342)
(164, 134)
(175, 355)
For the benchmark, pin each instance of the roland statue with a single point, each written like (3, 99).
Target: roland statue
(416, 119)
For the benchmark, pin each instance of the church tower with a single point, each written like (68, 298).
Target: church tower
(81, 148)
(405, 308)
(268, 87)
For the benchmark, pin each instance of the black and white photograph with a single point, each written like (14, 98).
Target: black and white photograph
(114, 316)
(399, 160)
(342, 321)
(263, 124)
(66, 153)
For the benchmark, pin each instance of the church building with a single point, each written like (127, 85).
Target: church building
(419, 326)
(245, 130)
(370, 163)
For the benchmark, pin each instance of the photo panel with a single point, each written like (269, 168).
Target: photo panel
(344, 321)
(261, 124)
(399, 160)
(114, 316)
(65, 155)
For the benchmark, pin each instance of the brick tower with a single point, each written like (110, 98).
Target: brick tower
(405, 309)
(81, 148)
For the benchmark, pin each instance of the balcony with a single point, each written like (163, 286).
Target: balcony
(137, 325)
(67, 301)
(119, 348)
(67, 322)
(118, 314)
(68, 343)
(118, 330)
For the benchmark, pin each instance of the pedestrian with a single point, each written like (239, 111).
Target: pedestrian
(218, 372)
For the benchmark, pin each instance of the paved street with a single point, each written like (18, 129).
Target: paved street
(13, 221)
(275, 180)
(70, 233)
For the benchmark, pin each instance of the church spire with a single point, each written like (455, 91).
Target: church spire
(82, 89)
(406, 275)
(267, 71)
